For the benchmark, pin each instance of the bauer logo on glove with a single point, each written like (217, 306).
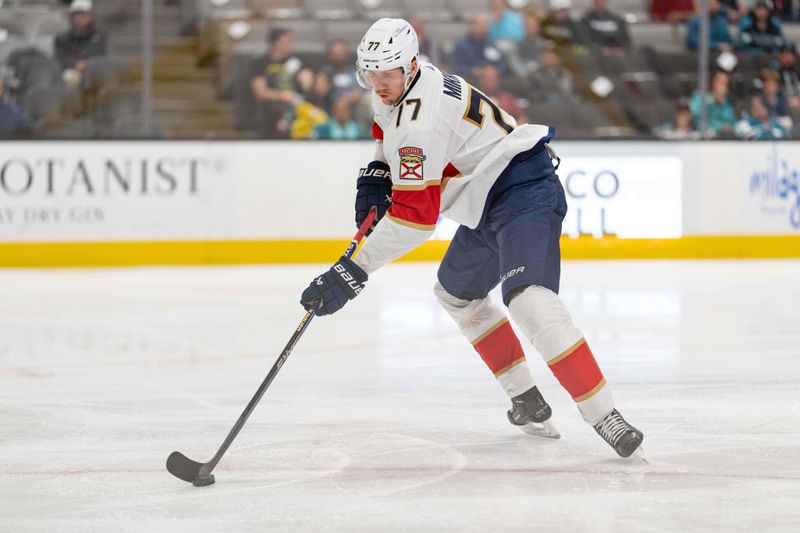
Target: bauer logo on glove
(375, 172)
(329, 292)
(374, 188)
(350, 280)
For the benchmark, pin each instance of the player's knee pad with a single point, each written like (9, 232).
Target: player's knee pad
(545, 320)
(474, 317)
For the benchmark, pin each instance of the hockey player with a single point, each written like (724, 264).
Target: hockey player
(442, 147)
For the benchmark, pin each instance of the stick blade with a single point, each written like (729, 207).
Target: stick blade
(182, 467)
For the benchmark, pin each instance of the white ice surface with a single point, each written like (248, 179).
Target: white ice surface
(384, 419)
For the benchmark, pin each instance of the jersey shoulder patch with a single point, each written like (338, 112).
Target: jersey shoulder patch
(411, 160)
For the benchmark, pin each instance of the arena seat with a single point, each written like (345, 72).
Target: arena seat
(114, 101)
(33, 68)
(43, 100)
(12, 43)
(464, 9)
(100, 71)
(350, 30)
(331, 9)
(659, 35)
(66, 127)
(129, 126)
(646, 115)
(428, 9)
(386, 9)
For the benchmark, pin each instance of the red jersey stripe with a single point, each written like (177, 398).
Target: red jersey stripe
(419, 207)
(450, 171)
(377, 132)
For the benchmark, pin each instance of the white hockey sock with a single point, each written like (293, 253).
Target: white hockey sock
(487, 328)
(546, 321)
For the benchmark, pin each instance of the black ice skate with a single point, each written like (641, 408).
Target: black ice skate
(623, 437)
(532, 414)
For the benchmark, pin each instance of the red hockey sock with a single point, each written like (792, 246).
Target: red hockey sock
(577, 371)
(499, 348)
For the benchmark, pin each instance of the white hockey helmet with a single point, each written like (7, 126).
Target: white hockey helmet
(388, 44)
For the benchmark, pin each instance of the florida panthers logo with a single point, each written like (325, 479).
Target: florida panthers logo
(411, 159)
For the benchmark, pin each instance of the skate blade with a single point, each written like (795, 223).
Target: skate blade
(639, 454)
(546, 429)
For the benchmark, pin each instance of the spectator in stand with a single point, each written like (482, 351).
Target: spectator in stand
(789, 72)
(421, 29)
(719, 38)
(719, 106)
(340, 74)
(552, 82)
(507, 25)
(733, 9)
(476, 50)
(783, 9)
(489, 84)
(14, 121)
(363, 112)
(771, 91)
(681, 128)
(606, 30)
(757, 125)
(80, 43)
(280, 83)
(340, 126)
(759, 31)
(672, 10)
(559, 26)
(524, 59)
(320, 94)
(303, 119)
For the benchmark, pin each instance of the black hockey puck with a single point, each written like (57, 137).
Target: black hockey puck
(203, 480)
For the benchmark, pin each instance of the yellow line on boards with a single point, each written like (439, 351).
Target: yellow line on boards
(132, 253)
(689, 247)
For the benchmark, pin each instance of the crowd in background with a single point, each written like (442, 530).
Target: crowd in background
(515, 58)
(50, 86)
(520, 58)
(329, 103)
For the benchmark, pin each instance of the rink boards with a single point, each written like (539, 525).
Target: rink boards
(125, 203)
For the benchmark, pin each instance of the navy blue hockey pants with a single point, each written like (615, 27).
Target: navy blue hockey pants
(516, 242)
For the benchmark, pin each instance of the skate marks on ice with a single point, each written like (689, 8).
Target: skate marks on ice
(402, 465)
(793, 413)
(363, 463)
(369, 464)
(430, 463)
(386, 444)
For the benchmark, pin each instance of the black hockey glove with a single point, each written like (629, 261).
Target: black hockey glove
(374, 188)
(329, 292)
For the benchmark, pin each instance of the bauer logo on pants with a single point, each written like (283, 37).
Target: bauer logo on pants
(411, 159)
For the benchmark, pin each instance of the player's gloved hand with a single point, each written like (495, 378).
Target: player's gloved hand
(329, 292)
(374, 188)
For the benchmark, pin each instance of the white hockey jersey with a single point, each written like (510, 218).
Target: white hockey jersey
(445, 143)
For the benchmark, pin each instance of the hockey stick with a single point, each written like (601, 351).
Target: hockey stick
(199, 474)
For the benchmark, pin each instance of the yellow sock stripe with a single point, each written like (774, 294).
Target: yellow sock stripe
(566, 352)
(592, 392)
(509, 367)
(489, 331)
